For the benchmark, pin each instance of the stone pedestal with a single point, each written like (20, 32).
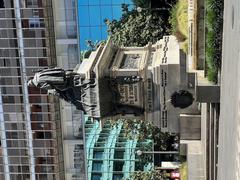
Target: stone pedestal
(190, 127)
(206, 91)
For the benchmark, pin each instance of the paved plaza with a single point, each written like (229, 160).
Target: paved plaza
(229, 125)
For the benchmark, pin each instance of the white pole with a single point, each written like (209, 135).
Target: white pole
(25, 87)
(4, 141)
(140, 152)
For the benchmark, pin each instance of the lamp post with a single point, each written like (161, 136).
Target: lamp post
(140, 152)
(140, 9)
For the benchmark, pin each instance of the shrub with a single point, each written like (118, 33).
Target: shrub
(214, 24)
(179, 23)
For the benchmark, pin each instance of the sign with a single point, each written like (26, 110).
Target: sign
(149, 96)
(175, 175)
(129, 94)
(164, 113)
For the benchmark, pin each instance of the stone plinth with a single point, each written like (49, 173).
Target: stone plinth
(190, 127)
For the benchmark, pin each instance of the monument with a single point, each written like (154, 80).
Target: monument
(149, 83)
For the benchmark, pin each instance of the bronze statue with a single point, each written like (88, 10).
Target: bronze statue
(57, 81)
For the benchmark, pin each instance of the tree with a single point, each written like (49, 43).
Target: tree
(163, 3)
(142, 3)
(154, 3)
(148, 175)
(141, 130)
(137, 28)
(92, 46)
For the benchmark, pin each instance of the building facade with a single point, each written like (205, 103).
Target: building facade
(67, 52)
(91, 18)
(34, 35)
(110, 154)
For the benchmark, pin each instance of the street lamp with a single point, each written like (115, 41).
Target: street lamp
(140, 9)
(140, 152)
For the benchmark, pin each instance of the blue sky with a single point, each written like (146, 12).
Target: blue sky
(91, 16)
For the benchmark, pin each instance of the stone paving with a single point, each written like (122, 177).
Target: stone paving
(229, 124)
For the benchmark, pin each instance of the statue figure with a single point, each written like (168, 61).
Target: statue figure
(65, 84)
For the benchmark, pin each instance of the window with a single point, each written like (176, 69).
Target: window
(97, 166)
(32, 3)
(118, 155)
(118, 166)
(35, 22)
(43, 135)
(96, 176)
(117, 176)
(2, 4)
(98, 155)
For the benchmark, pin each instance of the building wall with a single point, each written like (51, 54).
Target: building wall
(91, 18)
(67, 51)
(31, 142)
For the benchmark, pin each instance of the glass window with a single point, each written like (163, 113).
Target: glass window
(28, 33)
(13, 108)
(8, 99)
(107, 12)
(31, 3)
(94, 13)
(97, 166)
(106, 2)
(12, 135)
(117, 176)
(98, 155)
(83, 16)
(14, 117)
(10, 81)
(43, 62)
(118, 165)
(2, 4)
(84, 35)
(95, 33)
(96, 177)
(31, 62)
(117, 12)
(43, 135)
(83, 2)
(118, 155)
(9, 62)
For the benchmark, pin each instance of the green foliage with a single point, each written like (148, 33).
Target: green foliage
(92, 46)
(185, 46)
(141, 130)
(173, 19)
(179, 23)
(179, 18)
(183, 171)
(214, 24)
(85, 54)
(142, 3)
(138, 28)
(212, 75)
(149, 175)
